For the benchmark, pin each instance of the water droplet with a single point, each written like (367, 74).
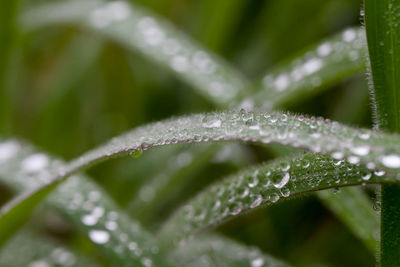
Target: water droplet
(281, 179)
(379, 173)
(360, 150)
(210, 121)
(35, 163)
(367, 176)
(256, 202)
(8, 150)
(391, 161)
(236, 208)
(258, 262)
(99, 236)
(136, 153)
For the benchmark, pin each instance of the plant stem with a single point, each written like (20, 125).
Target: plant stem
(382, 26)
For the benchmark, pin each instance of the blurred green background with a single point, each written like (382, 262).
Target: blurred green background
(68, 90)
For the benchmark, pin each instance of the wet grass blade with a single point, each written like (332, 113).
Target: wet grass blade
(81, 202)
(215, 250)
(260, 186)
(381, 21)
(312, 71)
(31, 249)
(374, 149)
(144, 32)
(353, 207)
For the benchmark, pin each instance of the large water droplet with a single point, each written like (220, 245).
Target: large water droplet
(258, 262)
(281, 180)
(391, 161)
(99, 236)
(136, 153)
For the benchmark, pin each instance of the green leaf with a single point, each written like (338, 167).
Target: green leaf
(86, 205)
(144, 32)
(31, 249)
(381, 20)
(260, 186)
(374, 149)
(312, 71)
(353, 207)
(215, 250)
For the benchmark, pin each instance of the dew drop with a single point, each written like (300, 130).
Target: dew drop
(136, 153)
(283, 180)
(258, 262)
(256, 202)
(391, 161)
(8, 150)
(99, 236)
(35, 163)
(360, 150)
(366, 177)
(211, 122)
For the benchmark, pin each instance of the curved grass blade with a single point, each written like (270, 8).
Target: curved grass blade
(328, 62)
(354, 209)
(86, 205)
(215, 250)
(30, 249)
(381, 20)
(142, 31)
(264, 185)
(374, 149)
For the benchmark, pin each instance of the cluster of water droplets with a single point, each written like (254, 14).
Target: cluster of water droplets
(77, 198)
(162, 42)
(266, 185)
(209, 250)
(307, 72)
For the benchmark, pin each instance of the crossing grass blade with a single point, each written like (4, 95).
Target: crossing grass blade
(261, 186)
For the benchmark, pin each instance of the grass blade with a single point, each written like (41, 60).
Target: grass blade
(83, 203)
(354, 209)
(214, 250)
(381, 20)
(263, 185)
(30, 249)
(8, 34)
(314, 70)
(141, 31)
(374, 149)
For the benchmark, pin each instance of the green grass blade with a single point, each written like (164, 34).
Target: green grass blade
(81, 202)
(353, 207)
(381, 20)
(384, 49)
(143, 32)
(316, 69)
(31, 249)
(215, 250)
(374, 149)
(17, 212)
(8, 34)
(263, 185)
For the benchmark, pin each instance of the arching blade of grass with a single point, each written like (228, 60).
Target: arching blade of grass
(381, 20)
(30, 249)
(264, 185)
(374, 149)
(141, 31)
(316, 69)
(354, 209)
(214, 250)
(86, 205)
(351, 205)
